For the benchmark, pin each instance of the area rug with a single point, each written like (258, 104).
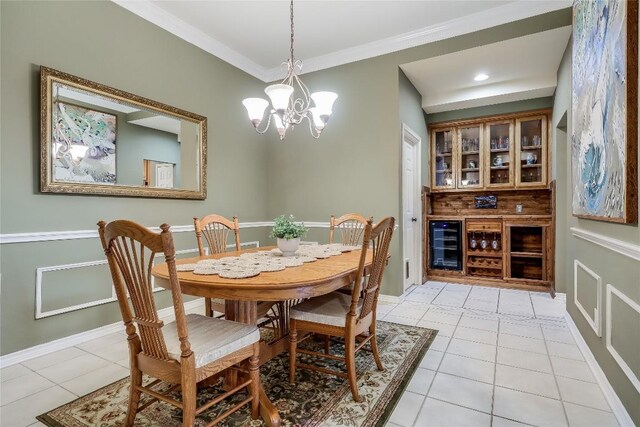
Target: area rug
(315, 399)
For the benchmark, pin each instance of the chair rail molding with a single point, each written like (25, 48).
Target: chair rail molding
(595, 322)
(48, 236)
(624, 248)
(610, 291)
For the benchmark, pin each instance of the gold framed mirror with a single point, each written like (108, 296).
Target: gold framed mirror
(99, 140)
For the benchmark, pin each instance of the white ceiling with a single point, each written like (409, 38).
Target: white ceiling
(254, 35)
(520, 68)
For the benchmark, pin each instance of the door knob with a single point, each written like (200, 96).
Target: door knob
(414, 219)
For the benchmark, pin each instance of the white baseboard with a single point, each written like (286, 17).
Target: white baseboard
(166, 314)
(389, 299)
(614, 401)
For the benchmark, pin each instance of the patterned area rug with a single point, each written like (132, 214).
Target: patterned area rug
(315, 399)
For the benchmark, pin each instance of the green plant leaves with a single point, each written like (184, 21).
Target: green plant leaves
(286, 227)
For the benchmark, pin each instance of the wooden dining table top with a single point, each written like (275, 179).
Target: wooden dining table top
(305, 281)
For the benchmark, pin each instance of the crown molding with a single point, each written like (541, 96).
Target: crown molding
(176, 26)
(464, 25)
(455, 27)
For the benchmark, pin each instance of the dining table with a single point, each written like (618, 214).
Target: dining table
(283, 288)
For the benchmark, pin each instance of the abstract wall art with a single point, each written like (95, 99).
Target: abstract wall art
(84, 142)
(604, 141)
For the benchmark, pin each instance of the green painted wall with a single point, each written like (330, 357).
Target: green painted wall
(618, 270)
(121, 50)
(410, 113)
(355, 166)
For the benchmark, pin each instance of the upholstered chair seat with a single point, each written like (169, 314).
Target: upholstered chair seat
(329, 309)
(211, 339)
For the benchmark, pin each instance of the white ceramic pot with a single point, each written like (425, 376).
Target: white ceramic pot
(288, 247)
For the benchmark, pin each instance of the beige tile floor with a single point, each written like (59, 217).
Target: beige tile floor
(501, 358)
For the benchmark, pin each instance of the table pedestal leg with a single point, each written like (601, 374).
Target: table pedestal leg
(246, 312)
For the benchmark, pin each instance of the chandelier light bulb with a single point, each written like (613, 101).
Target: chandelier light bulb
(280, 126)
(279, 95)
(481, 77)
(324, 101)
(255, 108)
(318, 120)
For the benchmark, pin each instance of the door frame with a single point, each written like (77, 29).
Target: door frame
(411, 137)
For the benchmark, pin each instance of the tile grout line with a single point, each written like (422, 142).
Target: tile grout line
(555, 379)
(495, 373)
(426, 395)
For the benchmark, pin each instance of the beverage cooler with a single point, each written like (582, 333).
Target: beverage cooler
(445, 245)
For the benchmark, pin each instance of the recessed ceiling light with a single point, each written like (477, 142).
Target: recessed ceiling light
(481, 77)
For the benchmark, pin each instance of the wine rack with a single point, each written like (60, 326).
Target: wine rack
(484, 249)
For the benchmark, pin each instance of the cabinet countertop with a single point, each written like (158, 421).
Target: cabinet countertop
(507, 217)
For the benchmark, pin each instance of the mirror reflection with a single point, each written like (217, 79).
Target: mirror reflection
(100, 140)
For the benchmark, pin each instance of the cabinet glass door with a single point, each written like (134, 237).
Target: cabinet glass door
(499, 154)
(443, 155)
(470, 157)
(532, 151)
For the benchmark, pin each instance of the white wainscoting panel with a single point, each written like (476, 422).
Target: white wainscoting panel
(39, 314)
(610, 291)
(595, 321)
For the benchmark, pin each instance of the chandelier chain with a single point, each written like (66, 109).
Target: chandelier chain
(291, 15)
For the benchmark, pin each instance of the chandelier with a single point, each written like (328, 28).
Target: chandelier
(287, 110)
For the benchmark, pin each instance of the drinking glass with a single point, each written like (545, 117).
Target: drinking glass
(483, 242)
(494, 242)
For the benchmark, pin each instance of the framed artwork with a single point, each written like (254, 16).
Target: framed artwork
(84, 144)
(604, 99)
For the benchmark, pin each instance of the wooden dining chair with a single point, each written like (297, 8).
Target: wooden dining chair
(348, 317)
(183, 352)
(215, 229)
(351, 227)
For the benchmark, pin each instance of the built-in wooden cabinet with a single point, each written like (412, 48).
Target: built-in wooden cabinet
(528, 244)
(500, 152)
(511, 245)
(469, 157)
(531, 167)
(443, 159)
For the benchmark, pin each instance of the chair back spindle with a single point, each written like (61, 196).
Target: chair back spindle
(351, 227)
(216, 230)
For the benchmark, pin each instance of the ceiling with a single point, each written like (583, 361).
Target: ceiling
(254, 35)
(520, 68)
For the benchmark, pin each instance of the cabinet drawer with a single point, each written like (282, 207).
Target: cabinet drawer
(491, 226)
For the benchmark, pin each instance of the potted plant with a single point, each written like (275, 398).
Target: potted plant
(288, 233)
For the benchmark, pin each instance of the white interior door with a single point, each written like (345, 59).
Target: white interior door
(411, 207)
